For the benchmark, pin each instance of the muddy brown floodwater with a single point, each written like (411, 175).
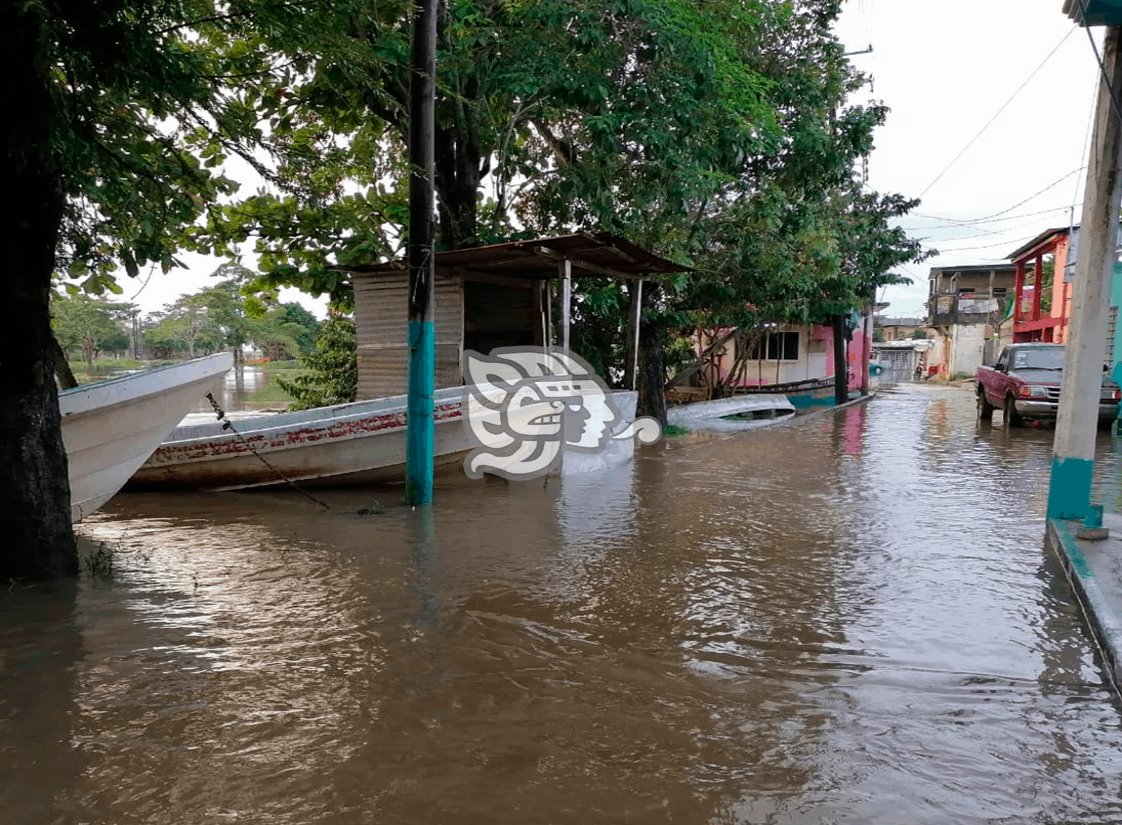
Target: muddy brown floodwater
(848, 620)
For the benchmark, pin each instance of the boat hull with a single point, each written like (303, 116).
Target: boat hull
(347, 444)
(814, 392)
(110, 428)
(736, 414)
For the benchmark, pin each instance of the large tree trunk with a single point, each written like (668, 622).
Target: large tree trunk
(457, 181)
(652, 373)
(63, 372)
(38, 541)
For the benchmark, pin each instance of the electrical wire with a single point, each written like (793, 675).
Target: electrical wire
(972, 221)
(1019, 204)
(1102, 66)
(996, 115)
(982, 246)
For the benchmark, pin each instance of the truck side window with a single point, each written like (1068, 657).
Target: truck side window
(1001, 360)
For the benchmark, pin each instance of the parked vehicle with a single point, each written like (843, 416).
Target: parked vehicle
(1025, 384)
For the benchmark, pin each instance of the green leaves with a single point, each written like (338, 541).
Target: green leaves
(332, 368)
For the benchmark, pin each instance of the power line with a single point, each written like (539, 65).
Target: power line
(997, 114)
(1005, 232)
(1086, 146)
(1033, 196)
(983, 246)
(1102, 66)
(973, 221)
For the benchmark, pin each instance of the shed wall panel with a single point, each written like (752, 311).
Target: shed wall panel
(381, 323)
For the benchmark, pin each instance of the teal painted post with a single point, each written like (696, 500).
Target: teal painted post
(421, 331)
(419, 433)
(1073, 451)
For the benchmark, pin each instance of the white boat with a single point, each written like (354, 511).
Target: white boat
(345, 444)
(110, 428)
(729, 415)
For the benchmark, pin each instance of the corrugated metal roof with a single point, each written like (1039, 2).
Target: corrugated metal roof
(600, 253)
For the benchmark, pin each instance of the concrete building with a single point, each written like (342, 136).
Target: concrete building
(897, 329)
(967, 312)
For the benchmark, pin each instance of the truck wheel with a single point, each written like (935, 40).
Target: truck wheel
(985, 408)
(1012, 417)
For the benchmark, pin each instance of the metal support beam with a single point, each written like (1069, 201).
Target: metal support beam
(549, 330)
(1037, 286)
(565, 270)
(1073, 451)
(587, 266)
(631, 377)
(866, 348)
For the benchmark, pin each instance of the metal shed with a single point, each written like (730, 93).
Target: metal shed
(487, 297)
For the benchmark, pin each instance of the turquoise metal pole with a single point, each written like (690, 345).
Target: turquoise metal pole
(419, 434)
(421, 332)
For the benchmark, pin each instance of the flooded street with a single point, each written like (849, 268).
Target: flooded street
(851, 619)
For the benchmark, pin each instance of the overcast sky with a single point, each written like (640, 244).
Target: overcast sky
(945, 68)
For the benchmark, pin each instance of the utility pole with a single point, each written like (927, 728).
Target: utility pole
(866, 341)
(421, 332)
(1073, 453)
(841, 368)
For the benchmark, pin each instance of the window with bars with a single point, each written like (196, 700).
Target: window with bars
(777, 346)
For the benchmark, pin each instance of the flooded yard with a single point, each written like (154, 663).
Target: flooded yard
(848, 619)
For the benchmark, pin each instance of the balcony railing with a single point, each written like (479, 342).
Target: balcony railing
(963, 308)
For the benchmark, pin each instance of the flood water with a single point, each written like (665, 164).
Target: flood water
(235, 392)
(850, 619)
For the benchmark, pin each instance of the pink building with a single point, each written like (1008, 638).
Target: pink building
(780, 356)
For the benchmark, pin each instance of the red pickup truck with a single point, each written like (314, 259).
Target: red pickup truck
(1025, 383)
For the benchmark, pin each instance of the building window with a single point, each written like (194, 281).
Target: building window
(777, 346)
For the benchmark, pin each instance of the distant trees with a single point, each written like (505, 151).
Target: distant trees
(89, 326)
(223, 316)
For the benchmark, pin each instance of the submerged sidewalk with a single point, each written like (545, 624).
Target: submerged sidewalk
(1094, 569)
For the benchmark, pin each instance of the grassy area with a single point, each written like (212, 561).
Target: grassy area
(271, 393)
(673, 431)
(282, 367)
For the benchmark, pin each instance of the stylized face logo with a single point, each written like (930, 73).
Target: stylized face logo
(523, 405)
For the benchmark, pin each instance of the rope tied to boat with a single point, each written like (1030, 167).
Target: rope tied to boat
(227, 424)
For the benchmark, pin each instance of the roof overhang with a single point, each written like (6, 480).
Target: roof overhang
(1046, 238)
(1094, 12)
(589, 254)
(972, 269)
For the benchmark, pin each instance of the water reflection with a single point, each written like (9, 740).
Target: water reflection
(235, 392)
(847, 619)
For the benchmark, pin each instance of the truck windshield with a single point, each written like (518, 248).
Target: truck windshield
(1051, 358)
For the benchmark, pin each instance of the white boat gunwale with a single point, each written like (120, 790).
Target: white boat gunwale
(103, 395)
(263, 438)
